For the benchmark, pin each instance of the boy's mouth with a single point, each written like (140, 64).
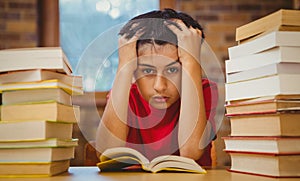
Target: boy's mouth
(160, 99)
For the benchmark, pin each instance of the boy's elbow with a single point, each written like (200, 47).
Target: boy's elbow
(192, 152)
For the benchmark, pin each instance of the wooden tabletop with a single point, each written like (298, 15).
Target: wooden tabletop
(92, 173)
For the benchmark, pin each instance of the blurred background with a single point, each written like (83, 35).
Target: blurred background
(78, 25)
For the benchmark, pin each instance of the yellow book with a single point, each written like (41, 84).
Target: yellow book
(31, 169)
(121, 158)
(54, 83)
(43, 143)
(51, 111)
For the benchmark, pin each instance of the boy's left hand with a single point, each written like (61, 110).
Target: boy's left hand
(189, 42)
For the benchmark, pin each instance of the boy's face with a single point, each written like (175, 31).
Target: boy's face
(158, 74)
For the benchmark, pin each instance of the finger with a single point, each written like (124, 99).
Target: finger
(181, 24)
(173, 26)
(199, 32)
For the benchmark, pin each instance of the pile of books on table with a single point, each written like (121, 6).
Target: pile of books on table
(37, 115)
(263, 96)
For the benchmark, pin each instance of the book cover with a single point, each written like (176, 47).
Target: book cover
(120, 158)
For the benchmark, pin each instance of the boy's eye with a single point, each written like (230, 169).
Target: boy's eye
(172, 70)
(148, 71)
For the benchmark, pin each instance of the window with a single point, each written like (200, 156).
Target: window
(88, 35)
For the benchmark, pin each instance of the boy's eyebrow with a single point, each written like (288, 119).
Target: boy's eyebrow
(177, 61)
(147, 65)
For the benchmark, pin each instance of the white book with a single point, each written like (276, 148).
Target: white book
(268, 41)
(52, 58)
(268, 70)
(275, 55)
(263, 144)
(282, 84)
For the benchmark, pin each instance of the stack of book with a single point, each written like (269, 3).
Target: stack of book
(263, 96)
(37, 115)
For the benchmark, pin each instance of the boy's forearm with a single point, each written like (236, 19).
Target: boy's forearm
(112, 130)
(192, 119)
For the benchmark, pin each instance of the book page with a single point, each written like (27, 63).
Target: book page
(113, 153)
(174, 163)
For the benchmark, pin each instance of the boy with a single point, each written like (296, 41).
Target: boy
(159, 103)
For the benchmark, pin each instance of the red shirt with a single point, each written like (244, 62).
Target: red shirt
(154, 132)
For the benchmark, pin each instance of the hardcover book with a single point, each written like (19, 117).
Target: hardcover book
(265, 124)
(271, 165)
(263, 144)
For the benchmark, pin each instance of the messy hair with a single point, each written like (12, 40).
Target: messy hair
(151, 27)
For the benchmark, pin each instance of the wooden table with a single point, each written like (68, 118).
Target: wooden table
(92, 173)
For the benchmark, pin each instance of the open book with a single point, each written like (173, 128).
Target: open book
(120, 158)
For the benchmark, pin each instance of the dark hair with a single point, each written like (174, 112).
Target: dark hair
(151, 26)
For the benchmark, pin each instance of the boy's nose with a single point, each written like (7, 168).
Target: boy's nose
(160, 84)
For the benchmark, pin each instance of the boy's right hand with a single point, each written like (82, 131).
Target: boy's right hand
(127, 53)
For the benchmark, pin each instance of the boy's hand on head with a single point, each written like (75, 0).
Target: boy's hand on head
(189, 42)
(127, 52)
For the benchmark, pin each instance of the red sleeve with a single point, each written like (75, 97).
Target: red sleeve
(210, 93)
